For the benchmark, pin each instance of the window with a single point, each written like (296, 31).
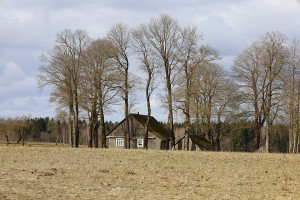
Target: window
(140, 143)
(119, 142)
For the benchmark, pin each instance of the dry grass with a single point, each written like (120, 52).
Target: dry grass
(63, 173)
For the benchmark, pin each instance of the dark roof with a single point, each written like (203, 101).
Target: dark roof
(201, 142)
(154, 126)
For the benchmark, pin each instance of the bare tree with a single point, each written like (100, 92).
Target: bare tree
(292, 96)
(248, 74)
(120, 40)
(22, 125)
(62, 72)
(275, 58)
(189, 62)
(226, 106)
(191, 58)
(207, 85)
(99, 87)
(164, 36)
(257, 70)
(6, 128)
(147, 59)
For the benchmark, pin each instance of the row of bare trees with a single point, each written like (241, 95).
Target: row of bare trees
(86, 75)
(174, 52)
(268, 75)
(89, 75)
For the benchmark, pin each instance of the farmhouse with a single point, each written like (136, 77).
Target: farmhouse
(159, 137)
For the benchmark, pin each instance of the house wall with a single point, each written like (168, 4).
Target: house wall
(111, 142)
(153, 143)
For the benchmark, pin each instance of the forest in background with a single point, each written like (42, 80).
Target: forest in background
(239, 136)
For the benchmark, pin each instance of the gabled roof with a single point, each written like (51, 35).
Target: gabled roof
(201, 142)
(154, 126)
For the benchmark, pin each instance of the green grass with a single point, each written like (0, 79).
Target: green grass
(56, 172)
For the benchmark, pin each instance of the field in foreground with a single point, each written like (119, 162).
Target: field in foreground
(63, 173)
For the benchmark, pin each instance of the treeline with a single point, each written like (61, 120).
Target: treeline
(237, 136)
(89, 75)
(23, 129)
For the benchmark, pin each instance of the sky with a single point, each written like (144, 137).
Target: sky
(28, 29)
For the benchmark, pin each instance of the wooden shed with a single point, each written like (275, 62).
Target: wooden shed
(159, 137)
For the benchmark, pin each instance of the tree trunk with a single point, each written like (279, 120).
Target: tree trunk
(23, 138)
(76, 120)
(7, 141)
(70, 124)
(197, 116)
(210, 138)
(291, 134)
(71, 130)
(187, 109)
(257, 135)
(93, 124)
(102, 126)
(101, 113)
(71, 115)
(146, 136)
(267, 141)
(258, 120)
(292, 143)
(268, 111)
(59, 133)
(95, 133)
(218, 134)
(170, 106)
(268, 127)
(20, 138)
(295, 143)
(90, 139)
(294, 111)
(57, 139)
(297, 140)
(149, 111)
(127, 134)
(187, 126)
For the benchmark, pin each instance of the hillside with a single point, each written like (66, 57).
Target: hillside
(63, 173)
